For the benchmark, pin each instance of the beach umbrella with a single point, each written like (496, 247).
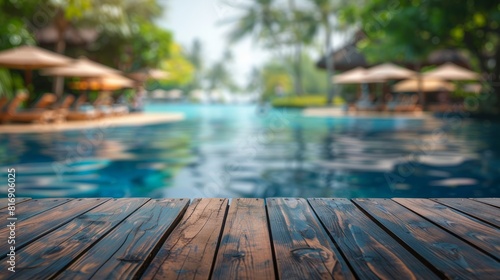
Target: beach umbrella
(452, 72)
(389, 71)
(28, 58)
(357, 75)
(106, 83)
(145, 74)
(412, 85)
(81, 67)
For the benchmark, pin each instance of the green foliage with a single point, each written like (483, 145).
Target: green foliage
(276, 80)
(304, 101)
(13, 30)
(410, 30)
(6, 84)
(180, 70)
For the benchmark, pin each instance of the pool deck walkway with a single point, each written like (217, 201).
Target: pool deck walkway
(275, 238)
(132, 119)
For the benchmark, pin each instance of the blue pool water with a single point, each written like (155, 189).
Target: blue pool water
(236, 151)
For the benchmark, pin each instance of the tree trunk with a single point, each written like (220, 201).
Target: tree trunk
(299, 90)
(61, 24)
(330, 65)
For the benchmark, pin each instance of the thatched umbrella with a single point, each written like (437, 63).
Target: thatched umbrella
(145, 74)
(452, 72)
(106, 83)
(428, 85)
(28, 58)
(81, 67)
(389, 71)
(358, 75)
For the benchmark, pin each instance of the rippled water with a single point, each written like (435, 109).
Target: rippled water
(235, 151)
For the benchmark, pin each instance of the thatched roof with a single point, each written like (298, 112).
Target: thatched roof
(73, 36)
(348, 57)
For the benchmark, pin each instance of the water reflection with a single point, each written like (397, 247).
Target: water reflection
(224, 151)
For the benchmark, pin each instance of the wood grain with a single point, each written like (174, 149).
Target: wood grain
(478, 210)
(453, 257)
(124, 251)
(32, 208)
(489, 200)
(372, 252)
(4, 202)
(471, 230)
(45, 257)
(302, 247)
(37, 226)
(245, 250)
(190, 250)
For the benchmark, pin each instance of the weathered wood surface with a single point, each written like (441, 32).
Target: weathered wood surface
(471, 230)
(37, 226)
(245, 251)
(122, 253)
(484, 212)
(491, 201)
(302, 247)
(453, 257)
(367, 247)
(4, 202)
(31, 208)
(190, 250)
(289, 238)
(47, 256)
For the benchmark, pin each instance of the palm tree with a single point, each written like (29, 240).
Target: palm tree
(276, 27)
(325, 12)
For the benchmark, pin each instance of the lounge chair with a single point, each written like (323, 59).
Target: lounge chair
(62, 108)
(80, 111)
(3, 101)
(38, 113)
(11, 107)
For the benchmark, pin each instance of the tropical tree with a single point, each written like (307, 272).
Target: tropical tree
(326, 14)
(276, 80)
(219, 76)
(412, 29)
(180, 70)
(276, 26)
(195, 56)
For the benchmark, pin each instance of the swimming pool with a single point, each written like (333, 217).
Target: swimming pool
(237, 151)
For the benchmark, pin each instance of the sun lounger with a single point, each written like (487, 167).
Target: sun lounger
(12, 106)
(38, 113)
(63, 107)
(80, 111)
(3, 102)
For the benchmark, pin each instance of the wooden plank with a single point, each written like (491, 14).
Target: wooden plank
(189, 251)
(481, 235)
(4, 202)
(45, 257)
(473, 208)
(37, 226)
(127, 249)
(371, 251)
(302, 248)
(32, 208)
(491, 201)
(453, 257)
(245, 250)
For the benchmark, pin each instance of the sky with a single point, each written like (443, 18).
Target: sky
(191, 19)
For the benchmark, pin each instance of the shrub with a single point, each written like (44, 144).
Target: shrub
(304, 101)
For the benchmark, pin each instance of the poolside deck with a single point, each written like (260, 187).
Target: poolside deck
(132, 119)
(277, 238)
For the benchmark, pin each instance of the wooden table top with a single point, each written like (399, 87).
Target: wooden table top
(248, 238)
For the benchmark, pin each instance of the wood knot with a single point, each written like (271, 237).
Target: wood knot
(309, 253)
(130, 259)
